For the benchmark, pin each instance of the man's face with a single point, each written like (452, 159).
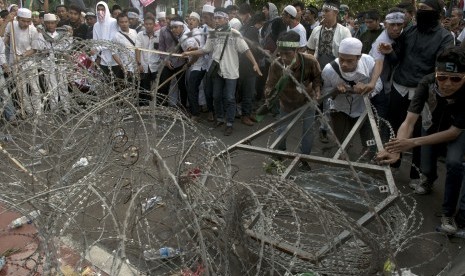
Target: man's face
(177, 30)
(62, 13)
(35, 20)
(330, 15)
(193, 23)
(287, 56)
(348, 63)
(123, 23)
(149, 26)
(286, 18)
(162, 22)
(115, 13)
(372, 24)
(449, 83)
(394, 29)
(232, 14)
(91, 20)
(207, 18)
(455, 19)
(220, 21)
(266, 12)
(24, 23)
(133, 22)
(74, 16)
(50, 26)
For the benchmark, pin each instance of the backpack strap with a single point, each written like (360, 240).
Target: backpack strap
(336, 69)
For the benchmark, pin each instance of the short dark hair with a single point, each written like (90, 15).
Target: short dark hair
(372, 14)
(245, 8)
(3, 13)
(299, 4)
(75, 8)
(313, 9)
(231, 8)
(132, 9)
(291, 36)
(61, 6)
(121, 15)
(452, 54)
(258, 17)
(220, 9)
(149, 18)
(116, 7)
(408, 6)
(396, 9)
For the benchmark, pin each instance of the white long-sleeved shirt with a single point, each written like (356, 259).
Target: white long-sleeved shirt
(350, 104)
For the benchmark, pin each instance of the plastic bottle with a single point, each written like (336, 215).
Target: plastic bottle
(162, 253)
(24, 220)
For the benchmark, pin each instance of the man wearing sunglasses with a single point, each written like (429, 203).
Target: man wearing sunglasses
(440, 100)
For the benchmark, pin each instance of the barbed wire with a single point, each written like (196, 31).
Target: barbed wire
(145, 186)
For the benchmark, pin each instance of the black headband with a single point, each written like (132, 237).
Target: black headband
(449, 66)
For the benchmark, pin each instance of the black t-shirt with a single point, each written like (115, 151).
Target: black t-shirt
(446, 111)
(81, 31)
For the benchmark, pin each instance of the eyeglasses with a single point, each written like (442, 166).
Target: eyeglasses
(455, 79)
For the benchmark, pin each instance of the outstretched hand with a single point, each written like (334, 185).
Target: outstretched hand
(397, 145)
(384, 157)
(256, 68)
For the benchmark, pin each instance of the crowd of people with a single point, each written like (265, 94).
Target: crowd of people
(407, 61)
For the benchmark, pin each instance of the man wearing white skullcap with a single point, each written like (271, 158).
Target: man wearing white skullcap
(289, 17)
(161, 17)
(21, 46)
(347, 73)
(55, 81)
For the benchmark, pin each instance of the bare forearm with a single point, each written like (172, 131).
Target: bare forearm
(439, 137)
(250, 56)
(376, 72)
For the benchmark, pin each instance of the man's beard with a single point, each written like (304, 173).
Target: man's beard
(427, 20)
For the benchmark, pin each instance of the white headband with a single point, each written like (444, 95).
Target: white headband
(133, 15)
(395, 17)
(195, 15)
(220, 14)
(176, 23)
(327, 6)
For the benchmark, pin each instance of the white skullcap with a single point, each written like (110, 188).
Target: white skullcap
(83, 14)
(351, 46)
(235, 23)
(208, 8)
(195, 15)
(291, 10)
(50, 17)
(161, 15)
(24, 13)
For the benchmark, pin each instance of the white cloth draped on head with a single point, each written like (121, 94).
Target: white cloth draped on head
(107, 28)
